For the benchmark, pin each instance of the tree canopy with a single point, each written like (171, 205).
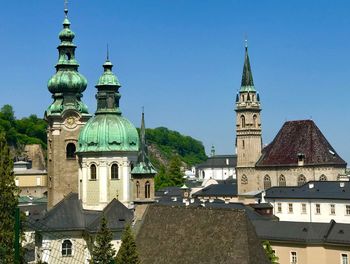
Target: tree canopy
(127, 253)
(8, 203)
(103, 251)
(170, 143)
(270, 253)
(20, 132)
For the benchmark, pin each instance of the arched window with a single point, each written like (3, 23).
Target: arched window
(243, 120)
(244, 179)
(132, 166)
(93, 172)
(147, 190)
(137, 189)
(114, 172)
(243, 145)
(255, 121)
(301, 180)
(66, 248)
(282, 180)
(323, 177)
(203, 174)
(68, 56)
(70, 151)
(267, 182)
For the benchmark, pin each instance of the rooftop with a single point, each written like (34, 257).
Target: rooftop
(69, 214)
(219, 161)
(312, 190)
(304, 232)
(184, 232)
(296, 138)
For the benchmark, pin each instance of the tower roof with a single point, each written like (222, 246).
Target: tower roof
(299, 137)
(67, 82)
(143, 166)
(247, 83)
(108, 130)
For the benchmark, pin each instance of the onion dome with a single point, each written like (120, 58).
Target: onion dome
(108, 130)
(67, 82)
(67, 79)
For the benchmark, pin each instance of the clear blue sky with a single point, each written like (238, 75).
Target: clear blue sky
(182, 60)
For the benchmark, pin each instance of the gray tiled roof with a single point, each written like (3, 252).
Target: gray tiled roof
(319, 190)
(217, 190)
(172, 234)
(219, 161)
(69, 214)
(252, 215)
(303, 232)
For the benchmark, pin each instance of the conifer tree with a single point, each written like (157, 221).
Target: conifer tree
(127, 253)
(270, 253)
(103, 251)
(8, 203)
(174, 172)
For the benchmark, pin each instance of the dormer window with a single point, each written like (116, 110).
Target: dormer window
(301, 159)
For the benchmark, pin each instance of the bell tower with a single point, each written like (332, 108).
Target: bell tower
(248, 127)
(65, 117)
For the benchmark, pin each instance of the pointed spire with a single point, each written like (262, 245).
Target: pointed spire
(143, 137)
(107, 59)
(144, 165)
(247, 77)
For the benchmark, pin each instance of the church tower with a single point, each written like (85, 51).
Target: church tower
(65, 116)
(143, 173)
(248, 128)
(108, 148)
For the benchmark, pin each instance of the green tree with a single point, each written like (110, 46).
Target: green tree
(174, 172)
(103, 251)
(127, 253)
(270, 252)
(8, 202)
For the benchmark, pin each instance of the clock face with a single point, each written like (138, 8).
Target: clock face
(70, 122)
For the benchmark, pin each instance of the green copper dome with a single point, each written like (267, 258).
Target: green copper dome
(108, 78)
(108, 132)
(66, 81)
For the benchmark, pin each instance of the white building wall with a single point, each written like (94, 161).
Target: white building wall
(311, 214)
(216, 173)
(103, 181)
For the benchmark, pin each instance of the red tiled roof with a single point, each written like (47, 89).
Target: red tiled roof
(299, 137)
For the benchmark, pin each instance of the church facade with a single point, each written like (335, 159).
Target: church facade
(299, 152)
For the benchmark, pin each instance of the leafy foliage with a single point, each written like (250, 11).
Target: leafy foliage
(269, 252)
(170, 177)
(170, 143)
(8, 203)
(20, 132)
(103, 251)
(127, 253)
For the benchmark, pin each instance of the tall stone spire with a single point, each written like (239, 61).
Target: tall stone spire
(67, 84)
(247, 83)
(248, 127)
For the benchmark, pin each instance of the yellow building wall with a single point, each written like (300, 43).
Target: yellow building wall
(309, 254)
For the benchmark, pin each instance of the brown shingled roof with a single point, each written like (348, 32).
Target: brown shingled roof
(299, 137)
(171, 234)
